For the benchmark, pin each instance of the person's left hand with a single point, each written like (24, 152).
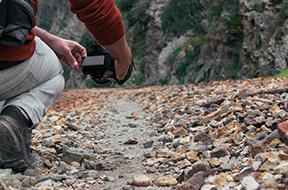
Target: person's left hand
(70, 52)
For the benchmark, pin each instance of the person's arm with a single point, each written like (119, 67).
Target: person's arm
(104, 21)
(122, 53)
(70, 52)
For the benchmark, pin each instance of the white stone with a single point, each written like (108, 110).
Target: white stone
(250, 183)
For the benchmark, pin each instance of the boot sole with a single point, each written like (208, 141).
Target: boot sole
(13, 153)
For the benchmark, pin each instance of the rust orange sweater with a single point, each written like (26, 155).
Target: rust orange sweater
(101, 17)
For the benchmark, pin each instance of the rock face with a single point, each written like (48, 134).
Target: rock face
(239, 38)
(236, 39)
(153, 38)
(265, 42)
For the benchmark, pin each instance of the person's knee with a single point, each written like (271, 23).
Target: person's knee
(59, 83)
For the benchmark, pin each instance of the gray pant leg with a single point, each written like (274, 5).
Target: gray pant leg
(35, 84)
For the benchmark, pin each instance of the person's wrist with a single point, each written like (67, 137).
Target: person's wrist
(125, 58)
(53, 41)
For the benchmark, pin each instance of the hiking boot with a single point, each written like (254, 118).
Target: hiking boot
(15, 141)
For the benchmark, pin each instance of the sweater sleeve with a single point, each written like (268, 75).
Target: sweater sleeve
(101, 17)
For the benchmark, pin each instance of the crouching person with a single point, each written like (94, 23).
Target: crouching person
(31, 75)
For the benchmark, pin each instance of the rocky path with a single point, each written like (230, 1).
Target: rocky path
(124, 136)
(222, 135)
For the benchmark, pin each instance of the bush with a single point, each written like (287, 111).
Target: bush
(182, 15)
(192, 50)
(282, 74)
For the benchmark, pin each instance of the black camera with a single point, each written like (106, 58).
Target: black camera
(100, 65)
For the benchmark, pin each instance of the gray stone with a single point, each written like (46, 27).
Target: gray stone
(148, 144)
(132, 125)
(165, 138)
(219, 152)
(72, 155)
(128, 187)
(30, 172)
(197, 167)
(281, 113)
(11, 179)
(45, 184)
(243, 173)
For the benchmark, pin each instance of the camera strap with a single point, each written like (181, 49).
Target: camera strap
(128, 75)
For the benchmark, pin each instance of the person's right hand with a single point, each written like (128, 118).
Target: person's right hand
(70, 52)
(123, 56)
(121, 69)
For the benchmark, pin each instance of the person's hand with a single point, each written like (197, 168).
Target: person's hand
(123, 56)
(70, 52)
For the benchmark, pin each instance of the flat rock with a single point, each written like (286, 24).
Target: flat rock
(72, 155)
(243, 173)
(197, 167)
(166, 181)
(219, 152)
(203, 137)
(249, 183)
(148, 144)
(3, 186)
(194, 183)
(283, 131)
(140, 181)
(192, 156)
(282, 168)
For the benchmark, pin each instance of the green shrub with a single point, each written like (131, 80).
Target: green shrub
(164, 81)
(283, 14)
(259, 7)
(279, 34)
(233, 70)
(192, 50)
(182, 15)
(282, 74)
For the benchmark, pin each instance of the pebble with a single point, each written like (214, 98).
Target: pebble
(198, 166)
(166, 181)
(126, 187)
(30, 172)
(243, 173)
(3, 186)
(192, 156)
(283, 131)
(148, 144)
(249, 183)
(194, 183)
(282, 168)
(45, 185)
(72, 155)
(219, 152)
(140, 181)
(28, 181)
(69, 182)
